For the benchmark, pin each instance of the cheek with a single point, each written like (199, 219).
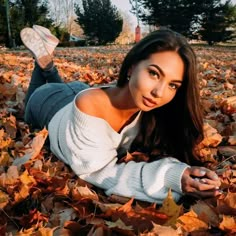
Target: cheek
(169, 97)
(141, 81)
(136, 83)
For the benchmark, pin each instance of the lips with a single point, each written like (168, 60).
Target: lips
(149, 102)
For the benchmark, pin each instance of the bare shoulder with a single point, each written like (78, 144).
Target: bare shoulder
(91, 101)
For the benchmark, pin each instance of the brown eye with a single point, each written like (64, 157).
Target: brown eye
(174, 86)
(153, 73)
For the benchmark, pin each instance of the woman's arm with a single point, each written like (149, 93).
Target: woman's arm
(87, 144)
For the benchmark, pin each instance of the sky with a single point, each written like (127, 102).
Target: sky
(125, 6)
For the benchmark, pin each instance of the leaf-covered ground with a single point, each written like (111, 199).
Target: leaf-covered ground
(39, 195)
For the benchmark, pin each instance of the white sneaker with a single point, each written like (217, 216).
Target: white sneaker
(49, 40)
(35, 44)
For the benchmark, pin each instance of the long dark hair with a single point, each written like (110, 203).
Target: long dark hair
(175, 128)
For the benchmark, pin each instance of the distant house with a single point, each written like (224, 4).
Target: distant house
(77, 41)
(75, 38)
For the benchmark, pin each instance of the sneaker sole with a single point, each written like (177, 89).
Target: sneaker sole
(34, 43)
(46, 35)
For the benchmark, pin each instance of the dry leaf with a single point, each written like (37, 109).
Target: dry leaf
(171, 209)
(190, 222)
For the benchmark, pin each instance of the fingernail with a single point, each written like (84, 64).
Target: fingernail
(203, 180)
(215, 177)
(217, 187)
(196, 179)
(202, 172)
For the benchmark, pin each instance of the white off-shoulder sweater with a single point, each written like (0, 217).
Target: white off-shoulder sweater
(90, 147)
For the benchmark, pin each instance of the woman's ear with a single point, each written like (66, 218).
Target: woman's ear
(130, 70)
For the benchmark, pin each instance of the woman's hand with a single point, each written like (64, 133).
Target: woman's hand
(200, 182)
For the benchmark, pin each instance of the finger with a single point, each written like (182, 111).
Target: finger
(204, 172)
(201, 186)
(212, 175)
(215, 183)
(198, 171)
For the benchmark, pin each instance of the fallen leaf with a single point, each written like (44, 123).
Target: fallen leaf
(171, 209)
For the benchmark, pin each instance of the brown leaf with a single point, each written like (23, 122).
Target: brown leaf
(206, 213)
(9, 178)
(226, 204)
(140, 218)
(211, 136)
(80, 192)
(10, 126)
(33, 148)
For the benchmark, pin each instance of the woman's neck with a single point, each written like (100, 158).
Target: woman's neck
(122, 101)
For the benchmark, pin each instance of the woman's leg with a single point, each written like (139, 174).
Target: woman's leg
(41, 43)
(47, 93)
(48, 99)
(41, 77)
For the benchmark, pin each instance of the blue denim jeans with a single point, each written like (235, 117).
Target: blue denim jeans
(46, 95)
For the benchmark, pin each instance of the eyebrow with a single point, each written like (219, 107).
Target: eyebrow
(163, 74)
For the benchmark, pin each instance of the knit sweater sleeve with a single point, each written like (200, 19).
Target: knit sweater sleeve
(89, 146)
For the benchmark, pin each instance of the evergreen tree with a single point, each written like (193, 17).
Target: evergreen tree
(186, 17)
(179, 15)
(99, 20)
(218, 22)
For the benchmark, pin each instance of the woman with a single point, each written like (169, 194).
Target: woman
(154, 109)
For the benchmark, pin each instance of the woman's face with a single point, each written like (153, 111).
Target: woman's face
(155, 81)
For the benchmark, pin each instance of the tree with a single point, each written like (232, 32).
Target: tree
(99, 20)
(217, 21)
(3, 26)
(23, 13)
(178, 15)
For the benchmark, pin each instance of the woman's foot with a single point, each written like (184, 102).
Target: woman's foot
(50, 41)
(35, 44)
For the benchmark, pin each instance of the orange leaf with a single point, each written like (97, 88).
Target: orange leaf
(228, 224)
(227, 204)
(190, 222)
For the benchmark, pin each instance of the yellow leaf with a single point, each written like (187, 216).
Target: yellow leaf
(4, 199)
(5, 140)
(27, 179)
(171, 209)
(22, 194)
(119, 224)
(4, 158)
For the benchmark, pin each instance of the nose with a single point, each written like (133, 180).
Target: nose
(159, 90)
